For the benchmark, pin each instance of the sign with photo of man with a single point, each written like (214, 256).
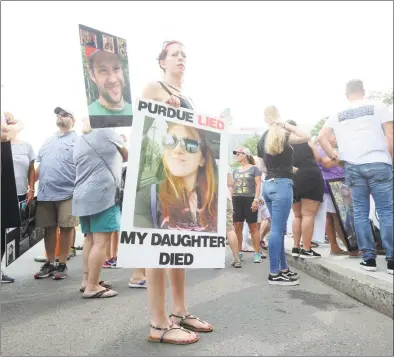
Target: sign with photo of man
(106, 77)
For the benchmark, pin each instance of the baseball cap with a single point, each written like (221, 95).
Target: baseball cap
(246, 151)
(59, 110)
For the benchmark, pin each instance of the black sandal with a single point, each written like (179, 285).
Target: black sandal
(102, 294)
(101, 283)
(190, 327)
(172, 342)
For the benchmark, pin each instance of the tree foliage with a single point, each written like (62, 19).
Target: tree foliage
(316, 129)
(385, 96)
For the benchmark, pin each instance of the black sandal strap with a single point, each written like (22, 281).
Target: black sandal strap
(167, 329)
(188, 317)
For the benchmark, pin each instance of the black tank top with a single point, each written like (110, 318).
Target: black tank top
(183, 102)
(303, 156)
(278, 166)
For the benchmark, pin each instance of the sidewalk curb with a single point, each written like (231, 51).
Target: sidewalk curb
(374, 293)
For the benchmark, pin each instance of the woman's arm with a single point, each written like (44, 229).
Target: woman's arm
(261, 165)
(297, 136)
(257, 181)
(327, 163)
(31, 180)
(314, 151)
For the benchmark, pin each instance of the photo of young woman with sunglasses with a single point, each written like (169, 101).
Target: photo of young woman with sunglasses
(186, 197)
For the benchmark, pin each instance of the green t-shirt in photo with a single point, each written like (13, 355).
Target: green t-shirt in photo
(97, 109)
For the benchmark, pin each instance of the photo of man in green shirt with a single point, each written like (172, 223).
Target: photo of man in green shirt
(106, 78)
(105, 69)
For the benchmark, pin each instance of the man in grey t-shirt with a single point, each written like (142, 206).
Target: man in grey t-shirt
(56, 175)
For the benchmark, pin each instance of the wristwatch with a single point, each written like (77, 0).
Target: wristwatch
(256, 200)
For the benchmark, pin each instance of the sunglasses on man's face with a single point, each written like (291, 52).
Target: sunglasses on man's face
(190, 145)
(64, 114)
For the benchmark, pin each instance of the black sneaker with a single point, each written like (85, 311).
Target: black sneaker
(390, 267)
(5, 279)
(295, 252)
(309, 254)
(282, 279)
(369, 265)
(46, 270)
(290, 274)
(60, 272)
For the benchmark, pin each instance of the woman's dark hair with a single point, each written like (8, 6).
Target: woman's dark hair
(251, 160)
(163, 54)
(291, 122)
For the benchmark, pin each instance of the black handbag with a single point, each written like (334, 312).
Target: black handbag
(119, 190)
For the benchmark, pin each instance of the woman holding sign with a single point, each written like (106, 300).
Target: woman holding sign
(172, 61)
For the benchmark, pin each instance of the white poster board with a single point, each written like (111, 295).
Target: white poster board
(174, 207)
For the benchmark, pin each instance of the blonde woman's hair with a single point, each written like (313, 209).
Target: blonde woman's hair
(276, 137)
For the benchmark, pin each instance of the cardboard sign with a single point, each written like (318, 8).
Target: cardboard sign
(174, 208)
(20, 239)
(106, 77)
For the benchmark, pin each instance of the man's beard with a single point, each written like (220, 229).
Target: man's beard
(60, 123)
(107, 97)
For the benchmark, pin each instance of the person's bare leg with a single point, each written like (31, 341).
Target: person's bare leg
(108, 255)
(254, 232)
(309, 209)
(157, 299)
(233, 243)
(87, 247)
(177, 283)
(114, 244)
(95, 261)
(66, 236)
(138, 276)
(331, 235)
(297, 220)
(50, 243)
(338, 228)
(265, 228)
(238, 231)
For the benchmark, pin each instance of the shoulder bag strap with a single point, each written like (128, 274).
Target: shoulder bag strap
(102, 159)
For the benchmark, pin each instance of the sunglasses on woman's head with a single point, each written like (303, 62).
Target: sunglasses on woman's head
(190, 145)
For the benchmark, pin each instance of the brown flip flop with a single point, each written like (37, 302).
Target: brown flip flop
(169, 341)
(102, 294)
(102, 283)
(182, 323)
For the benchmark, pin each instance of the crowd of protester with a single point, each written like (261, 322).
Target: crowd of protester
(80, 179)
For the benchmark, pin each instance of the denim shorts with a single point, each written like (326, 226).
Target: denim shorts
(102, 222)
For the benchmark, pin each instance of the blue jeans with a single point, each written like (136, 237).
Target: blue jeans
(374, 179)
(278, 195)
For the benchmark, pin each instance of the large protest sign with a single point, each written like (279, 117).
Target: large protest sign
(106, 77)
(20, 239)
(174, 208)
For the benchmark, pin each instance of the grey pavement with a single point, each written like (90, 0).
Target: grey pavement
(251, 318)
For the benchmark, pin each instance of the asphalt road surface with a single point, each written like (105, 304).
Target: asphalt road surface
(251, 318)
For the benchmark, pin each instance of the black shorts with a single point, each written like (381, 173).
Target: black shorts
(308, 184)
(243, 211)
